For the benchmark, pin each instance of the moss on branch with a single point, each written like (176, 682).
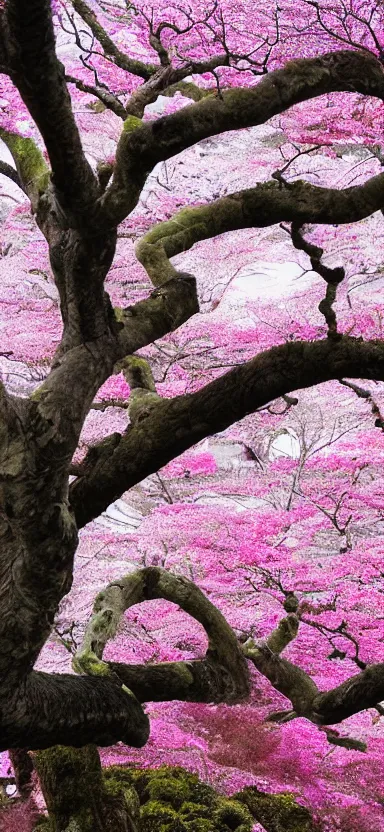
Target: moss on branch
(30, 164)
(221, 676)
(266, 204)
(179, 423)
(233, 109)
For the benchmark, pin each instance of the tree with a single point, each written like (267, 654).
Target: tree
(78, 207)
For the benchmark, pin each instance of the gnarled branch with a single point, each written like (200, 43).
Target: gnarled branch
(66, 395)
(119, 58)
(105, 96)
(266, 204)
(139, 151)
(39, 77)
(222, 676)
(177, 424)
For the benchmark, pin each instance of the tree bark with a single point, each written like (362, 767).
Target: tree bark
(77, 796)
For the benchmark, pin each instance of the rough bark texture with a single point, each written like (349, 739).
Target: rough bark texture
(39, 517)
(76, 795)
(176, 424)
(267, 204)
(221, 677)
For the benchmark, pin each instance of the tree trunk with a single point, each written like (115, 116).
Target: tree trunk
(77, 797)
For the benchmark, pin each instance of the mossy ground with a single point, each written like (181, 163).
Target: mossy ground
(170, 799)
(174, 800)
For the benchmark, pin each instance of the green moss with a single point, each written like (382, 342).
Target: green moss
(232, 814)
(30, 163)
(38, 394)
(117, 786)
(200, 825)
(96, 106)
(174, 800)
(190, 810)
(119, 314)
(171, 790)
(157, 817)
(59, 768)
(277, 812)
(188, 89)
(132, 123)
(87, 662)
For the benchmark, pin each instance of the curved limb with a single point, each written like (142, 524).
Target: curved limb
(140, 149)
(221, 677)
(266, 204)
(177, 424)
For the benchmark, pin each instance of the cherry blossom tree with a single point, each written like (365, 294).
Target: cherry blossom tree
(84, 197)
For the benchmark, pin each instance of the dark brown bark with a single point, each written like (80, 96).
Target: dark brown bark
(49, 709)
(38, 436)
(300, 80)
(39, 77)
(176, 424)
(77, 796)
(365, 690)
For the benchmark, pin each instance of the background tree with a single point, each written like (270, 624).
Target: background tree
(82, 196)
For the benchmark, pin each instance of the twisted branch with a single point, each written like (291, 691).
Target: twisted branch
(222, 676)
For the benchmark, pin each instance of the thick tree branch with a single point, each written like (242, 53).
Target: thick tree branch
(163, 311)
(61, 709)
(177, 424)
(139, 150)
(64, 398)
(64, 772)
(39, 77)
(365, 690)
(221, 676)
(266, 204)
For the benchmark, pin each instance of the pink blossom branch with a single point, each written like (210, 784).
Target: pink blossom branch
(141, 149)
(362, 393)
(177, 424)
(111, 50)
(266, 204)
